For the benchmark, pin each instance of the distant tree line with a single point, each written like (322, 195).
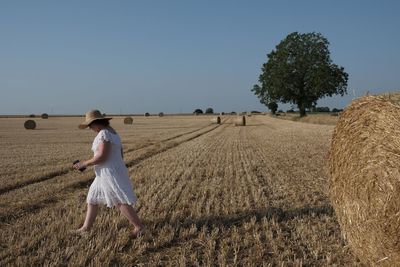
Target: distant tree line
(200, 111)
(315, 109)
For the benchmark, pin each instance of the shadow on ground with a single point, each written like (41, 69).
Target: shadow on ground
(230, 220)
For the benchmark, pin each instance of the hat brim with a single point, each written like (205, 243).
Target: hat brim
(85, 124)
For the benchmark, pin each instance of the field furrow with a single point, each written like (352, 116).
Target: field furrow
(12, 181)
(213, 195)
(32, 197)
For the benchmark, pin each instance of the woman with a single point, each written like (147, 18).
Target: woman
(112, 185)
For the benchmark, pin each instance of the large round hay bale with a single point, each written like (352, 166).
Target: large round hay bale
(44, 116)
(128, 120)
(240, 121)
(364, 183)
(161, 114)
(216, 120)
(30, 124)
(146, 114)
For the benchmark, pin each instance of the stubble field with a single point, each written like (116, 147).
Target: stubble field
(209, 195)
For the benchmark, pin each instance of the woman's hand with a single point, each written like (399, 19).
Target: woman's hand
(80, 165)
(100, 157)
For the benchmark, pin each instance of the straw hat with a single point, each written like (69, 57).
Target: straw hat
(91, 116)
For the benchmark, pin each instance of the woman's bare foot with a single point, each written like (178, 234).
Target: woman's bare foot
(80, 231)
(137, 232)
(83, 230)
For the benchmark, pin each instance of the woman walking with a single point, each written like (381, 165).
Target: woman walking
(112, 185)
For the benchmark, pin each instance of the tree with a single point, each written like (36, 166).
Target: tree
(209, 111)
(273, 106)
(198, 111)
(300, 71)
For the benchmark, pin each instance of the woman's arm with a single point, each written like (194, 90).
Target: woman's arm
(100, 157)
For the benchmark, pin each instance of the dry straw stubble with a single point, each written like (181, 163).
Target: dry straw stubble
(364, 178)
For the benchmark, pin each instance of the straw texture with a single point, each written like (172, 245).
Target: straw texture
(240, 121)
(30, 124)
(128, 120)
(364, 184)
(216, 120)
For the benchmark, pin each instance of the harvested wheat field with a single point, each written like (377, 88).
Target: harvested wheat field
(209, 195)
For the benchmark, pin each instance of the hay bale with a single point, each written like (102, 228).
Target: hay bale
(216, 120)
(392, 97)
(30, 124)
(128, 120)
(161, 114)
(146, 114)
(44, 116)
(32, 116)
(364, 185)
(240, 121)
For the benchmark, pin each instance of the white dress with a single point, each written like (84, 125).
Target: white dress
(112, 185)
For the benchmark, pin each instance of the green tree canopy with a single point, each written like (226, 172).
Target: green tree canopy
(209, 111)
(300, 71)
(198, 111)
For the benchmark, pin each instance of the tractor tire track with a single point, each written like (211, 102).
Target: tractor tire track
(64, 171)
(22, 210)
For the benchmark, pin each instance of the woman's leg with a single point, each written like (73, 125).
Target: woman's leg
(128, 211)
(91, 214)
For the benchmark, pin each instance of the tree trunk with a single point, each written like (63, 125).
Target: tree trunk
(301, 102)
(302, 109)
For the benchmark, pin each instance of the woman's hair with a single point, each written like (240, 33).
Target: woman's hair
(103, 122)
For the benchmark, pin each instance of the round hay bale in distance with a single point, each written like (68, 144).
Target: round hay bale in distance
(364, 184)
(161, 114)
(128, 120)
(30, 124)
(32, 116)
(146, 114)
(44, 116)
(240, 121)
(216, 120)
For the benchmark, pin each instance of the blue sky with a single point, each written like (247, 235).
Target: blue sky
(175, 56)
